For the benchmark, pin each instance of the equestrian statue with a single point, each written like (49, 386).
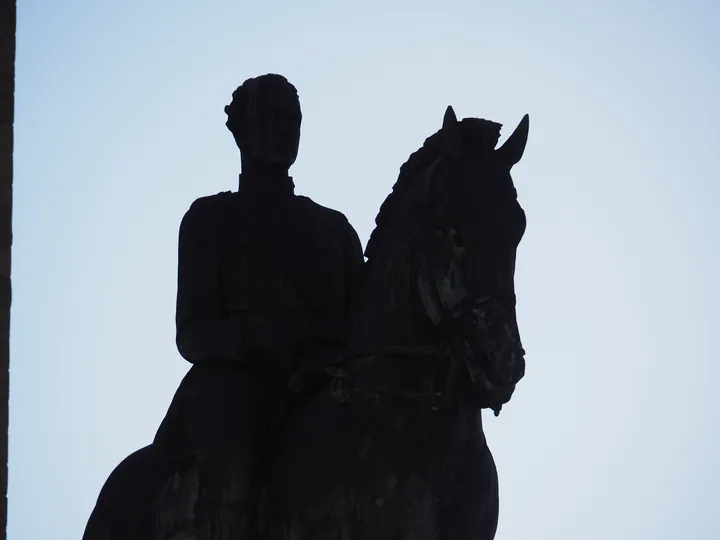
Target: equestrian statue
(332, 397)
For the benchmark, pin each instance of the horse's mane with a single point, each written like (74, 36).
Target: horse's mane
(416, 163)
(472, 129)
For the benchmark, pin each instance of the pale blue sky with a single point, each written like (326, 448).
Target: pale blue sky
(120, 126)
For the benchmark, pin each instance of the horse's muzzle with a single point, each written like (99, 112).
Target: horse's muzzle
(495, 358)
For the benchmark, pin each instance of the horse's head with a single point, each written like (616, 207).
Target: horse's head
(463, 224)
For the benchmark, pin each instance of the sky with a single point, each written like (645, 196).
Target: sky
(120, 126)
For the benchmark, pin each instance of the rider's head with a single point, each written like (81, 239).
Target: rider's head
(264, 118)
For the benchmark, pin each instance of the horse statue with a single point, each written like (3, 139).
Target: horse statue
(393, 446)
(388, 442)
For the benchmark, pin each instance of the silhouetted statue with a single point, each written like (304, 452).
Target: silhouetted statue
(384, 439)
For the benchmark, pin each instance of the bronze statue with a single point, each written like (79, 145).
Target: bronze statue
(382, 436)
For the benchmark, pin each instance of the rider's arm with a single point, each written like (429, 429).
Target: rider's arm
(204, 331)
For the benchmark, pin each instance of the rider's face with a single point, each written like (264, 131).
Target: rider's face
(273, 134)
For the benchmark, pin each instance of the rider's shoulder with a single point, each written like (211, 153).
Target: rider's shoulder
(210, 203)
(208, 206)
(332, 216)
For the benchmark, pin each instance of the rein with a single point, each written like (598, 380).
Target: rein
(336, 371)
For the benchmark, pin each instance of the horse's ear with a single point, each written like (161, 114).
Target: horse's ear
(513, 149)
(451, 131)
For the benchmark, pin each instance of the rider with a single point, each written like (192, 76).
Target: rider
(266, 281)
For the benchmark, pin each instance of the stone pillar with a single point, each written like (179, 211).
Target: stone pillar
(7, 110)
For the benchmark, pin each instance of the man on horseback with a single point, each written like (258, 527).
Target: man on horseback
(394, 447)
(266, 282)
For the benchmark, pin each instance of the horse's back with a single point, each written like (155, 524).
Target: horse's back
(125, 506)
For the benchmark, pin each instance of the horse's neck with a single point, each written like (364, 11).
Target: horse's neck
(390, 323)
(388, 314)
